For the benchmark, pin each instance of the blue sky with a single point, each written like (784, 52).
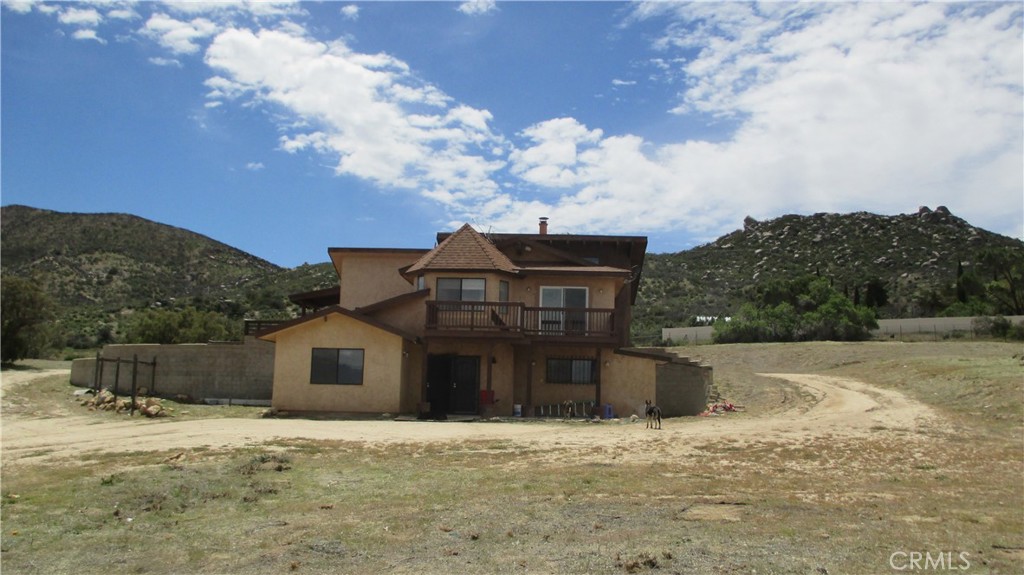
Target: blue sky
(286, 128)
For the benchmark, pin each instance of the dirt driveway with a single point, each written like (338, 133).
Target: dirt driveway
(824, 407)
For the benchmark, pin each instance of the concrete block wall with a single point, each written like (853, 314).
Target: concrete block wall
(936, 326)
(683, 389)
(242, 371)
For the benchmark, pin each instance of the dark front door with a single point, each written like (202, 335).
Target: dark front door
(453, 384)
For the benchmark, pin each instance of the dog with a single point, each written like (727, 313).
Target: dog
(568, 409)
(653, 416)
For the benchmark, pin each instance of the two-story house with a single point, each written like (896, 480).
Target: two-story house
(495, 324)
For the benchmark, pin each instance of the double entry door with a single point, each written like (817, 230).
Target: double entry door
(453, 384)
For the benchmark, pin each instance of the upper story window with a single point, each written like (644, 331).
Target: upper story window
(461, 289)
(502, 290)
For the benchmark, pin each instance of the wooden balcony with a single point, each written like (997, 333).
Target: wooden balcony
(513, 320)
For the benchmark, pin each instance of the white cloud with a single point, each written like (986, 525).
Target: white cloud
(836, 107)
(839, 107)
(551, 160)
(474, 7)
(254, 166)
(123, 14)
(19, 7)
(350, 11)
(87, 35)
(178, 36)
(364, 109)
(80, 17)
(165, 62)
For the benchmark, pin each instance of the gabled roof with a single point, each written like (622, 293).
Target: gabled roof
(393, 301)
(271, 333)
(464, 250)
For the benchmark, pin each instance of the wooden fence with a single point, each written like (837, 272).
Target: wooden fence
(134, 363)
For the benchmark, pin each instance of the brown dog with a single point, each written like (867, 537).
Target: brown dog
(653, 416)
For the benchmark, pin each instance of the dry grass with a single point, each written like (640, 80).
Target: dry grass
(831, 504)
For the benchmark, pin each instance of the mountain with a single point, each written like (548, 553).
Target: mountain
(915, 257)
(99, 266)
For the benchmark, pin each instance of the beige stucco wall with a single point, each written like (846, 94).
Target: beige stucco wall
(409, 316)
(626, 381)
(601, 291)
(370, 276)
(544, 393)
(383, 368)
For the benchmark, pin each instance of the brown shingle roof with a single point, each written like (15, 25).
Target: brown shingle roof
(466, 249)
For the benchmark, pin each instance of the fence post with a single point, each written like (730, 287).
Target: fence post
(135, 373)
(152, 378)
(117, 378)
(97, 373)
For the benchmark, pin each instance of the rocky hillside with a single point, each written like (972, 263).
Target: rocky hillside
(97, 267)
(117, 260)
(915, 256)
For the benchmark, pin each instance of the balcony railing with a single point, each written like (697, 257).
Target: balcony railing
(514, 319)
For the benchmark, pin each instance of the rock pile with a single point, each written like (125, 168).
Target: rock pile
(106, 401)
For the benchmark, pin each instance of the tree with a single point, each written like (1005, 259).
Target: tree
(805, 308)
(187, 325)
(1006, 289)
(25, 313)
(875, 295)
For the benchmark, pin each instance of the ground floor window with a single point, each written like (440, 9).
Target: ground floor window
(571, 370)
(337, 366)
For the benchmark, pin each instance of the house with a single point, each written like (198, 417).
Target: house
(495, 324)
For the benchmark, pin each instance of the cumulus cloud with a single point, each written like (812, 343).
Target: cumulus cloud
(553, 156)
(830, 107)
(87, 35)
(19, 6)
(80, 17)
(159, 61)
(838, 107)
(178, 36)
(473, 7)
(366, 110)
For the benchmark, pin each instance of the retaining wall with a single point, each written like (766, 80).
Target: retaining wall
(229, 370)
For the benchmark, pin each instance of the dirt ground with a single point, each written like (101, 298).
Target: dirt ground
(845, 458)
(824, 406)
